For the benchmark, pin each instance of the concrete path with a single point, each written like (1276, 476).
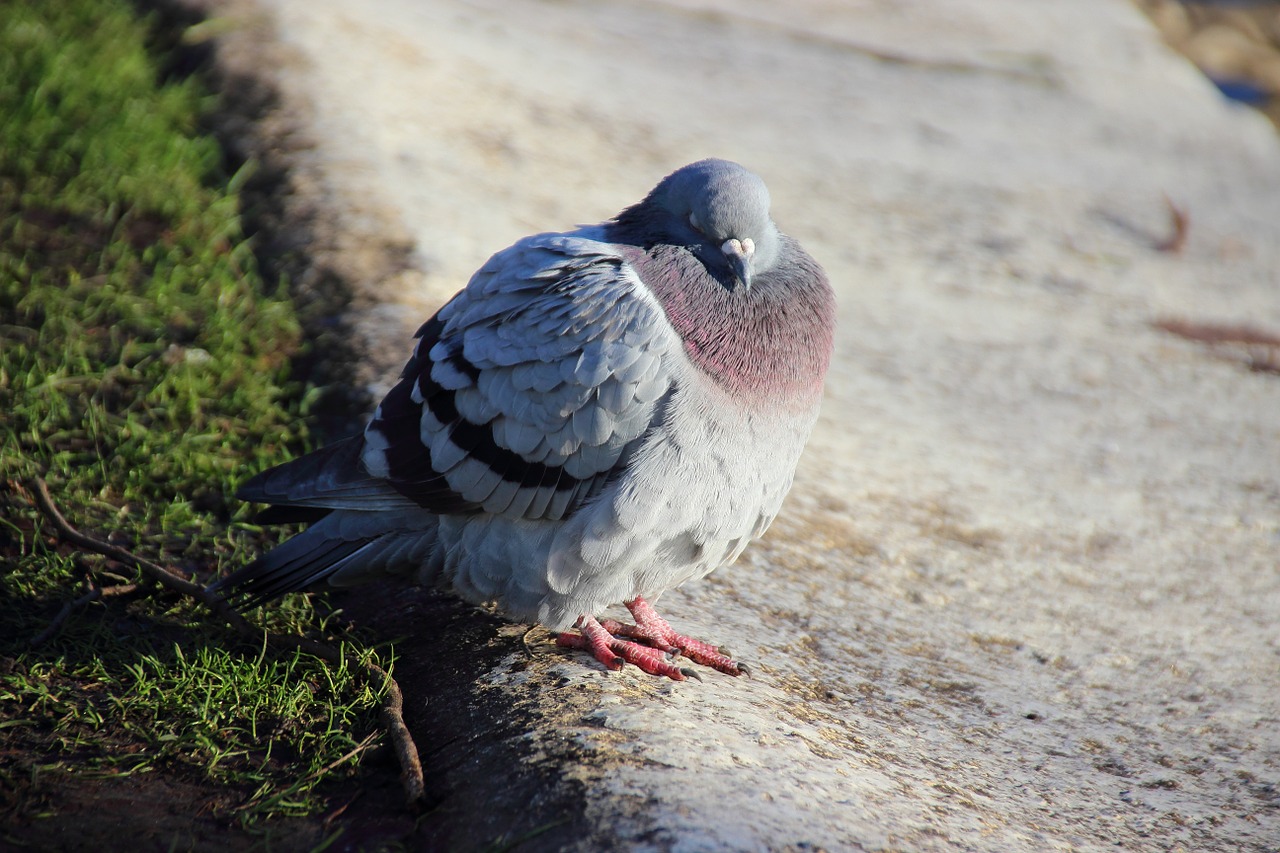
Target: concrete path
(1025, 595)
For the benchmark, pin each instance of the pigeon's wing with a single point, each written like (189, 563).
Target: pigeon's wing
(529, 389)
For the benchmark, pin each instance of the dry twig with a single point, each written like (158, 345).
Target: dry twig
(1179, 225)
(95, 592)
(1258, 349)
(52, 629)
(391, 713)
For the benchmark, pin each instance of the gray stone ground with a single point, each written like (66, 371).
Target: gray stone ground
(1025, 595)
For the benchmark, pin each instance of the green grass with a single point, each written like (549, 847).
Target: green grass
(144, 372)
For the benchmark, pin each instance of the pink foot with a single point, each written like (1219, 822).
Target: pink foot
(604, 639)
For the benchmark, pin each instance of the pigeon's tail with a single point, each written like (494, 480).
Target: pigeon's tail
(361, 527)
(297, 564)
(345, 548)
(333, 477)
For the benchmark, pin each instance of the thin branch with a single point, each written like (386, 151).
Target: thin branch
(391, 713)
(406, 752)
(54, 627)
(312, 776)
(359, 748)
(159, 574)
(95, 592)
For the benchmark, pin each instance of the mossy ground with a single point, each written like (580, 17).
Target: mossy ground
(146, 368)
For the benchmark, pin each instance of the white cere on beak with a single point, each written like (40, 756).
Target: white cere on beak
(742, 248)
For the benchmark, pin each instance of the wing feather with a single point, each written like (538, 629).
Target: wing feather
(527, 389)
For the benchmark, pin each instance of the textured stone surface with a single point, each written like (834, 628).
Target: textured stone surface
(1025, 595)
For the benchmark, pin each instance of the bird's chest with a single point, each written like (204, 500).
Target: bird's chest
(708, 478)
(713, 471)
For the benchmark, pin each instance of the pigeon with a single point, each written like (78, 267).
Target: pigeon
(599, 416)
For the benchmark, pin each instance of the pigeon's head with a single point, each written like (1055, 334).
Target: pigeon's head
(722, 211)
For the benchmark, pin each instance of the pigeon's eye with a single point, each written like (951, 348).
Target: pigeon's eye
(693, 220)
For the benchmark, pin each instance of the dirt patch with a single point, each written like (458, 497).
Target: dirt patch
(158, 811)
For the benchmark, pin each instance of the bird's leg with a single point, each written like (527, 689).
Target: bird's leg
(605, 640)
(612, 651)
(655, 630)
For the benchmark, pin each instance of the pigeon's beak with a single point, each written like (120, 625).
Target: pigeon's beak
(738, 253)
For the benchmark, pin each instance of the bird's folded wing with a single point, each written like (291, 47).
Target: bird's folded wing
(530, 388)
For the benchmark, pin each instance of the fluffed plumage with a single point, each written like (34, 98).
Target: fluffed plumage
(599, 416)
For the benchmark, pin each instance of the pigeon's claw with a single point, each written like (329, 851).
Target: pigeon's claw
(650, 625)
(612, 651)
(655, 640)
